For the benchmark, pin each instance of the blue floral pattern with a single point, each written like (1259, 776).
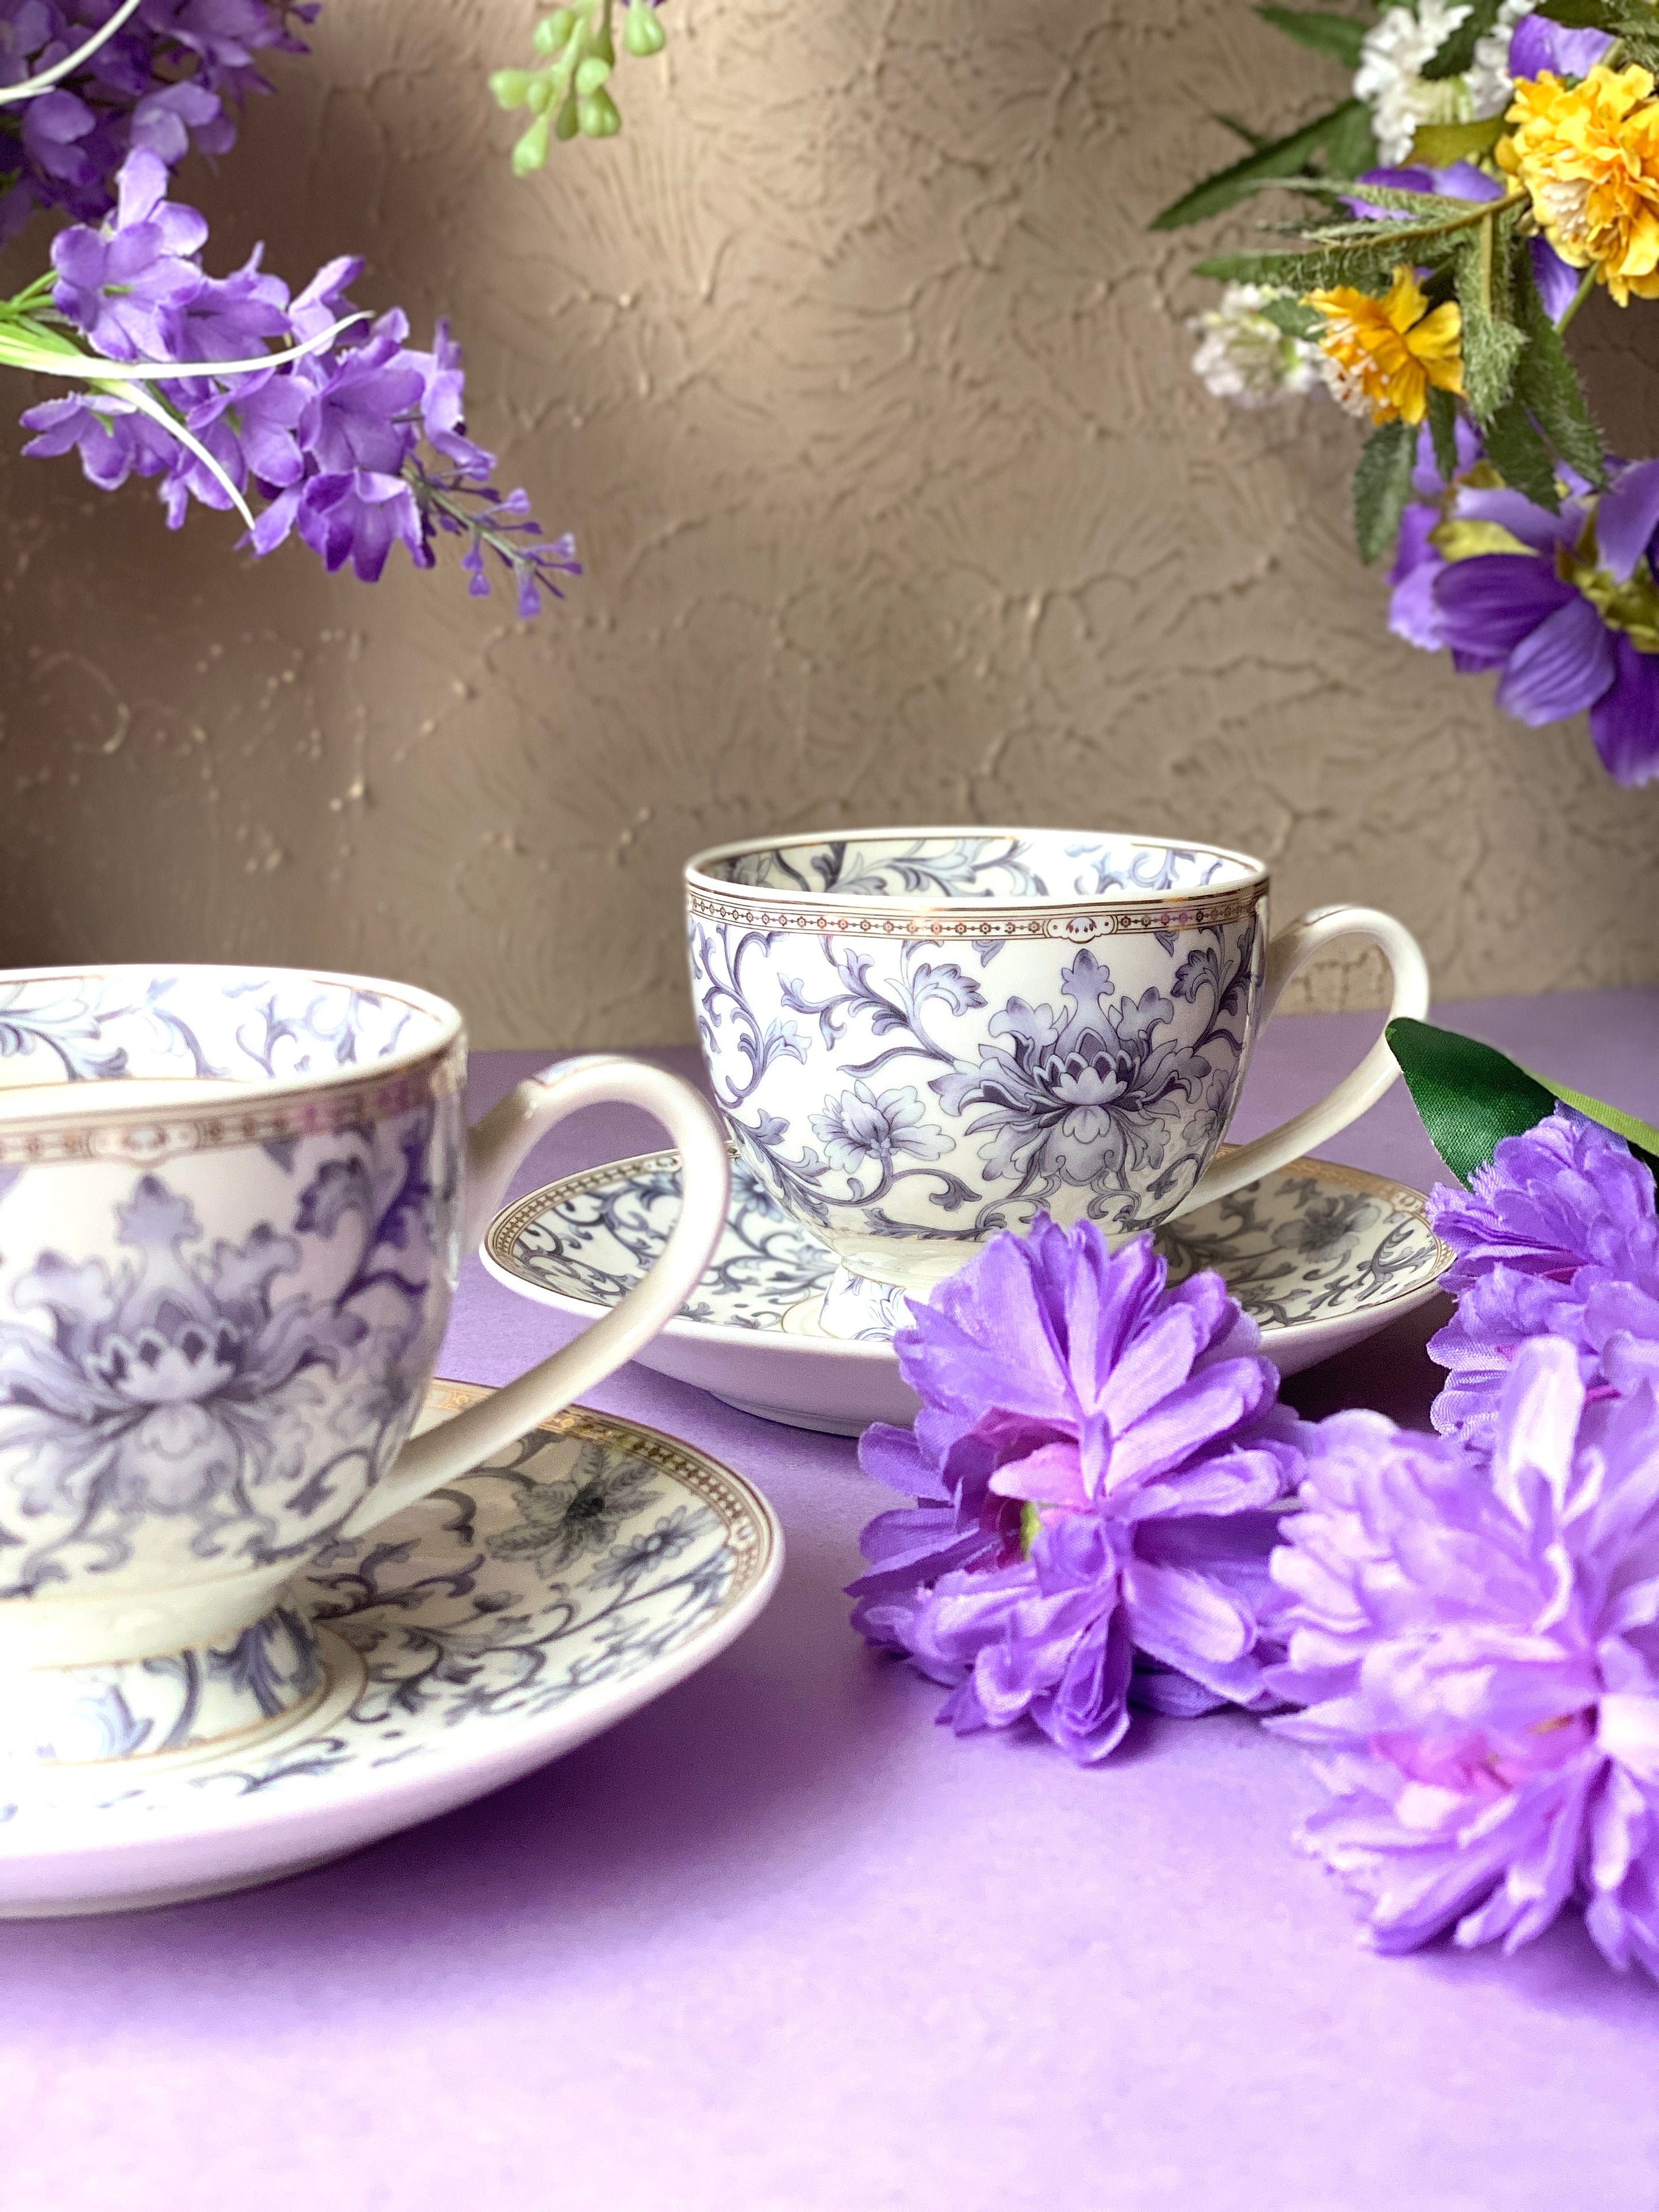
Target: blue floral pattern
(460, 1626)
(224, 1400)
(1312, 1242)
(196, 1023)
(991, 865)
(886, 1092)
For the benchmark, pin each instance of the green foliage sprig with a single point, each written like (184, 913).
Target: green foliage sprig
(1520, 388)
(567, 91)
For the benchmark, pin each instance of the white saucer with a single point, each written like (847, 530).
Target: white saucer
(1322, 1255)
(506, 1619)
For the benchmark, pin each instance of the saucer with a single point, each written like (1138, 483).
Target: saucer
(1321, 1256)
(552, 1591)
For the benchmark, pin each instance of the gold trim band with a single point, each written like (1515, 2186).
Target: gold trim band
(1075, 927)
(49, 1138)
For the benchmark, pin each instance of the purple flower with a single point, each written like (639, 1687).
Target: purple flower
(1476, 1646)
(1559, 1236)
(122, 284)
(1537, 45)
(331, 442)
(1092, 1466)
(1565, 607)
(170, 79)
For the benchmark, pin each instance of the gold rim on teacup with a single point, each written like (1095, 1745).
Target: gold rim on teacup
(1074, 917)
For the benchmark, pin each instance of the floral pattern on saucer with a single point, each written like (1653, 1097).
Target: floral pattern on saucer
(1312, 1241)
(577, 1561)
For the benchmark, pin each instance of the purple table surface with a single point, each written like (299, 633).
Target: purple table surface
(778, 1942)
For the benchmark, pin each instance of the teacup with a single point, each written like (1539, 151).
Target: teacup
(233, 1203)
(920, 1037)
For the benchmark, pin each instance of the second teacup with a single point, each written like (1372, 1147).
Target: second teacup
(920, 1037)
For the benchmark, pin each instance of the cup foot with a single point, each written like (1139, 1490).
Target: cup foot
(202, 1698)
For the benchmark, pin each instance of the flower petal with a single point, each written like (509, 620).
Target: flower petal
(1564, 667)
(1625, 519)
(1624, 720)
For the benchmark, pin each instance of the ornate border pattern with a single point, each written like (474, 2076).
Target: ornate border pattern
(1079, 924)
(161, 1133)
(504, 1231)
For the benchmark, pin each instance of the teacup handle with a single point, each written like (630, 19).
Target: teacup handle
(1292, 948)
(495, 1147)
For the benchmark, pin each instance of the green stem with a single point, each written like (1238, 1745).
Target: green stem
(1488, 241)
(1586, 286)
(1483, 211)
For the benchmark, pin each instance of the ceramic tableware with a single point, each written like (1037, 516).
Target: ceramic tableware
(918, 1037)
(577, 1574)
(1320, 1256)
(232, 1204)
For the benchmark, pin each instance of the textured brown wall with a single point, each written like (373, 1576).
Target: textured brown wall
(854, 368)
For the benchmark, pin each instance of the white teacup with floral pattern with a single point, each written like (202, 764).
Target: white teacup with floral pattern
(233, 1202)
(919, 1037)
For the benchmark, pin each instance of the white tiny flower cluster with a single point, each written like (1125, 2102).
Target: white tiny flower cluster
(1491, 86)
(1243, 357)
(1394, 53)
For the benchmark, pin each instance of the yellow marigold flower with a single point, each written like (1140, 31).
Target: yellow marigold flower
(1382, 355)
(1588, 154)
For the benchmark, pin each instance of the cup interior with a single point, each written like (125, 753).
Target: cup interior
(191, 1025)
(1001, 864)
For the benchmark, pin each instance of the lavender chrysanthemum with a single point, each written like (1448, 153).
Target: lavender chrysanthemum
(1558, 1237)
(1092, 1465)
(1476, 1645)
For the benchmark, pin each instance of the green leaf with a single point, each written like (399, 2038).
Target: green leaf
(1366, 264)
(1292, 318)
(1255, 139)
(1521, 456)
(1470, 1097)
(1350, 148)
(1442, 428)
(1491, 343)
(1546, 381)
(1228, 187)
(1438, 145)
(1457, 54)
(1382, 485)
(1641, 1137)
(1582, 15)
(1339, 36)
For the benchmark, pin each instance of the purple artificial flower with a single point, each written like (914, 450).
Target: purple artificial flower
(1566, 606)
(1537, 45)
(170, 79)
(121, 284)
(331, 443)
(1476, 1645)
(1559, 1236)
(1093, 1465)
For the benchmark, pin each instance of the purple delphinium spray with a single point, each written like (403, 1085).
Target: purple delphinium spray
(170, 78)
(1559, 1236)
(1476, 1644)
(1093, 1466)
(355, 447)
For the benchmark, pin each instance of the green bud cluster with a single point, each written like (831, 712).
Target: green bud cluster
(567, 92)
